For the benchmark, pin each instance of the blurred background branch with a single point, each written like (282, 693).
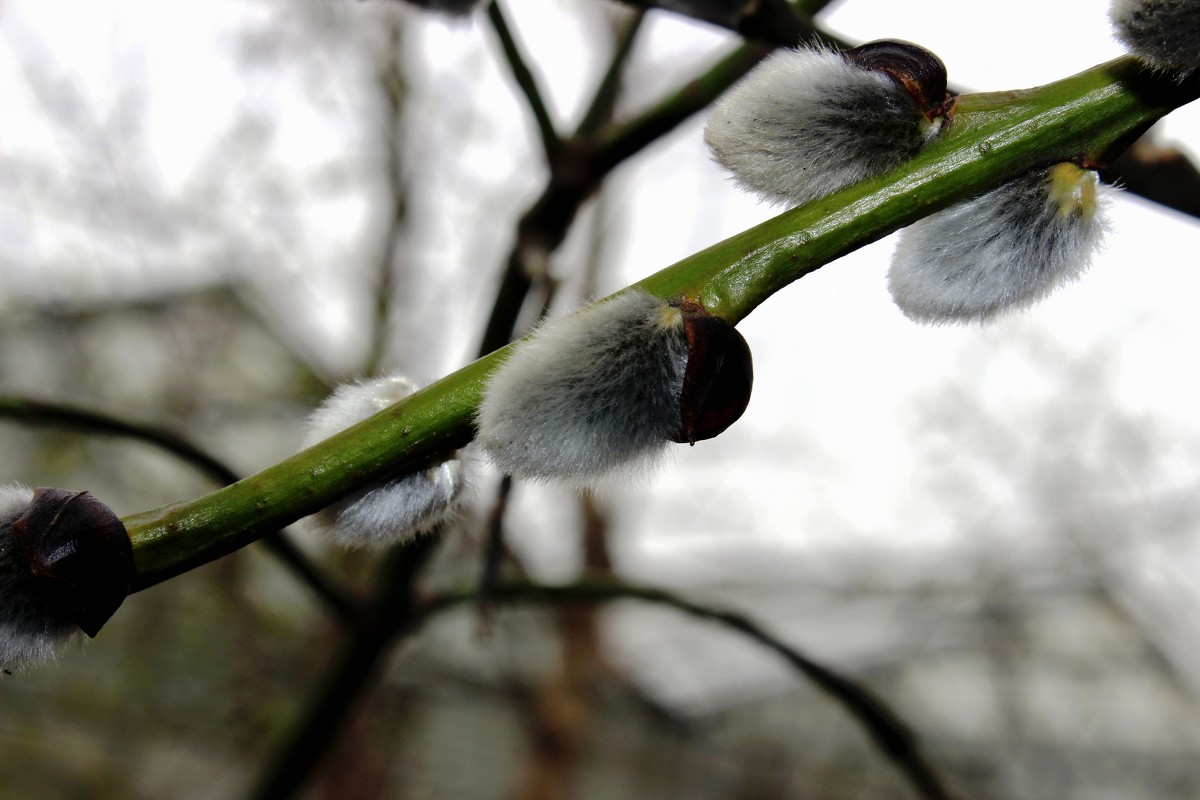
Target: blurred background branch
(887, 731)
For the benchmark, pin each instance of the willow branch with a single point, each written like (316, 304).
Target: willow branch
(1087, 118)
(883, 726)
(40, 412)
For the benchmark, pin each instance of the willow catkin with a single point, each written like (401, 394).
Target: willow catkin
(1005, 249)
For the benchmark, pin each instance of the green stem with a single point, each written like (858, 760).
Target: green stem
(1087, 118)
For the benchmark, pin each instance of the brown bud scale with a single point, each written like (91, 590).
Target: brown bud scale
(918, 70)
(78, 546)
(718, 377)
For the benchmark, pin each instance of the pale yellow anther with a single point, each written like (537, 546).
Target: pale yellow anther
(1073, 190)
(669, 316)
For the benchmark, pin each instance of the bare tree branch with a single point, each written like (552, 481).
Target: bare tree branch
(389, 613)
(1157, 172)
(885, 728)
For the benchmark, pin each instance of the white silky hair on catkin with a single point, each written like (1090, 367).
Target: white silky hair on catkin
(1165, 34)
(589, 393)
(1005, 249)
(805, 123)
(394, 510)
(33, 626)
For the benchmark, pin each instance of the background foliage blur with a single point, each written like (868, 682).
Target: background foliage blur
(211, 214)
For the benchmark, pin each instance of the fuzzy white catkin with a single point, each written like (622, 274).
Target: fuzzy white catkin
(1005, 249)
(589, 393)
(33, 626)
(397, 509)
(805, 123)
(1163, 33)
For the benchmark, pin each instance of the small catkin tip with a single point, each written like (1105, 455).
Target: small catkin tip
(1164, 34)
(1003, 250)
(397, 509)
(35, 624)
(588, 394)
(806, 123)
(670, 317)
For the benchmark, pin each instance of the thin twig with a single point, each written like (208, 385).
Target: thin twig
(584, 161)
(885, 728)
(41, 412)
(392, 87)
(525, 80)
(493, 552)
(543, 227)
(599, 111)
(388, 615)
(64, 415)
(626, 139)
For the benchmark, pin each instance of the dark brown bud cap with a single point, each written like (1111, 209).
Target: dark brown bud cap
(78, 546)
(916, 69)
(718, 377)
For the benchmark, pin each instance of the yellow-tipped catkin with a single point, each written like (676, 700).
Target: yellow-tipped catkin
(1005, 249)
